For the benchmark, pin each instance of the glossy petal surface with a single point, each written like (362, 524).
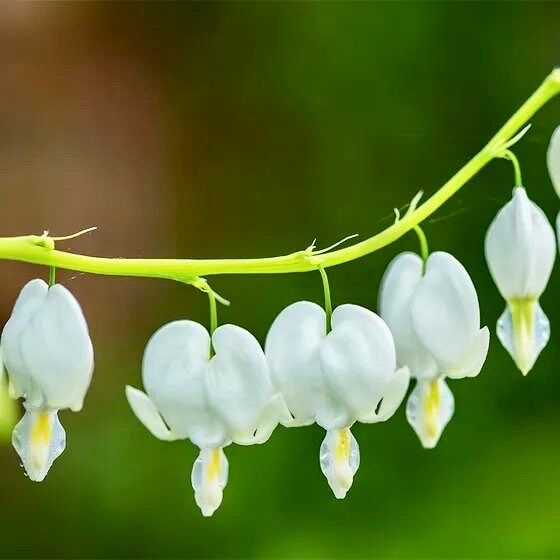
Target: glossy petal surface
(46, 347)
(39, 439)
(339, 458)
(429, 409)
(553, 160)
(398, 285)
(520, 248)
(445, 311)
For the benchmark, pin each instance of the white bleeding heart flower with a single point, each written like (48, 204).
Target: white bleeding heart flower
(48, 355)
(553, 159)
(432, 310)
(520, 252)
(211, 400)
(335, 378)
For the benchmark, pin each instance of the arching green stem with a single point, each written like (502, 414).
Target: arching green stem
(327, 292)
(40, 249)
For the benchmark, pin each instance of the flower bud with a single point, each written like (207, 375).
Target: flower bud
(520, 251)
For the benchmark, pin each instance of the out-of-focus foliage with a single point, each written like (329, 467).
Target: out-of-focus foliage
(248, 129)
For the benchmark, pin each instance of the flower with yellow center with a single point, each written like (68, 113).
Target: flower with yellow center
(520, 252)
(335, 378)
(48, 356)
(432, 310)
(213, 400)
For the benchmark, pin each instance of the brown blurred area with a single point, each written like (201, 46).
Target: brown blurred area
(83, 141)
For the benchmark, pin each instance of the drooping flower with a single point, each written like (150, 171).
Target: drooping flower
(520, 252)
(432, 310)
(211, 400)
(335, 378)
(47, 352)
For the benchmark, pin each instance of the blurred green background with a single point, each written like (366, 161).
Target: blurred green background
(248, 129)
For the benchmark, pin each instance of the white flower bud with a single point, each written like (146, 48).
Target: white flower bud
(520, 252)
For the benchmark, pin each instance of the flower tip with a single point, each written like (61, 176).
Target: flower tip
(339, 458)
(209, 501)
(39, 439)
(209, 478)
(523, 330)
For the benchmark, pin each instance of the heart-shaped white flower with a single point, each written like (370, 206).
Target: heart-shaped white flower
(335, 379)
(48, 355)
(432, 310)
(211, 400)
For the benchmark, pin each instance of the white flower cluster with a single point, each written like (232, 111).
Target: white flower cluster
(354, 366)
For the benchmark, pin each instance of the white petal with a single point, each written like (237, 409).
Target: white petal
(39, 439)
(558, 229)
(292, 352)
(392, 398)
(274, 410)
(429, 409)
(475, 358)
(397, 288)
(523, 330)
(30, 299)
(445, 311)
(238, 383)
(209, 478)
(339, 457)
(55, 351)
(175, 363)
(358, 359)
(520, 248)
(553, 159)
(147, 413)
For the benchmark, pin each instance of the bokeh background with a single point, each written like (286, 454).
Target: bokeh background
(248, 129)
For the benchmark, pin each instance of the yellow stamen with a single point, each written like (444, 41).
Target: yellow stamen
(214, 465)
(522, 314)
(342, 448)
(42, 428)
(431, 405)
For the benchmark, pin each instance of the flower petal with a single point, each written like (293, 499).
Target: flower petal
(56, 351)
(429, 409)
(39, 439)
(392, 398)
(209, 478)
(553, 159)
(445, 311)
(175, 363)
(274, 410)
(397, 288)
(358, 359)
(523, 330)
(147, 413)
(340, 459)
(292, 351)
(238, 383)
(474, 360)
(520, 248)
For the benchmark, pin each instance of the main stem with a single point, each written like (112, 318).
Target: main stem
(40, 250)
